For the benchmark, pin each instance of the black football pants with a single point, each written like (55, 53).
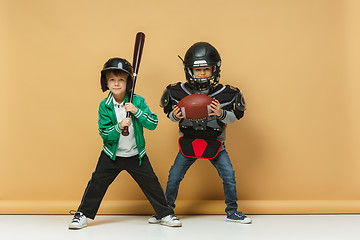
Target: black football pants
(105, 173)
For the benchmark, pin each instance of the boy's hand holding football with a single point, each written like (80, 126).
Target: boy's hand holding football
(177, 112)
(215, 108)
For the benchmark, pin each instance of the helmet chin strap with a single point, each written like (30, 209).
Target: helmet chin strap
(201, 85)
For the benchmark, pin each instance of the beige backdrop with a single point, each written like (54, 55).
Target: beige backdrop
(296, 61)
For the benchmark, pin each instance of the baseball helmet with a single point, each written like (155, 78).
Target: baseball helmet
(202, 54)
(116, 64)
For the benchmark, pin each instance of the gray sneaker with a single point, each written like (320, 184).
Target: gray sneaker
(170, 221)
(79, 221)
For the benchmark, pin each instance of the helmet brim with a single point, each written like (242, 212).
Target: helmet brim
(115, 68)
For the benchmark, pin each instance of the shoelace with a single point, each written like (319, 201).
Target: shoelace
(76, 217)
(242, 216)
(72, 212)
(174, 217)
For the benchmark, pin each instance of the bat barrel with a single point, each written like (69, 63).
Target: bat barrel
(138, 48)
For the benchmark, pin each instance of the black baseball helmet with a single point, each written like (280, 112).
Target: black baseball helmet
(116, 64)
(202, 54)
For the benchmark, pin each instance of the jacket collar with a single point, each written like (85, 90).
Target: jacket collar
(109, 100)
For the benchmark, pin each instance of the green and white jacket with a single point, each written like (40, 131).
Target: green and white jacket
(109, 127)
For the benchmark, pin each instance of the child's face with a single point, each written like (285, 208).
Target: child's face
(202, 72)
(117, 82)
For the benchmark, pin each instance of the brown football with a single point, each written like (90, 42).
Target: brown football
(195, 106)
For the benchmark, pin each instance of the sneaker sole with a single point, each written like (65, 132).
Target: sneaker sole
(77, 227)
(169, 225)
(239, 221)
(154, 222)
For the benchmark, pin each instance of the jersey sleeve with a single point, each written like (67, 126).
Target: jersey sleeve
(227, 116)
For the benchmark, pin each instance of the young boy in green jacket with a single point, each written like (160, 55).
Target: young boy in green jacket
(123, 152)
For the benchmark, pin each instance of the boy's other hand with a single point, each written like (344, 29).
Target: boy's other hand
(177, 112)
(129, 107)
(126, 122)
(215, 108)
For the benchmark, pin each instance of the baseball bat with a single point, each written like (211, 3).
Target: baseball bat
(138, 48)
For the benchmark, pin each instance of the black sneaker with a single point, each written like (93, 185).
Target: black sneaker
(238, 217)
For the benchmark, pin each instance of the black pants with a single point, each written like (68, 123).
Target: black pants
(105, 173)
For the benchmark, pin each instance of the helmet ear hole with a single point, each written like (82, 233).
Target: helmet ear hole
(103, 82)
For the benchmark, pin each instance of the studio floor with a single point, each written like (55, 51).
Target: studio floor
(132, 227)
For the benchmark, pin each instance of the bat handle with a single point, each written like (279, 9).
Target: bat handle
(125, 131)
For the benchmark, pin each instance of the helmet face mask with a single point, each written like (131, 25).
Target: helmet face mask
(116, 64)
(203, 83)
(202, 54)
